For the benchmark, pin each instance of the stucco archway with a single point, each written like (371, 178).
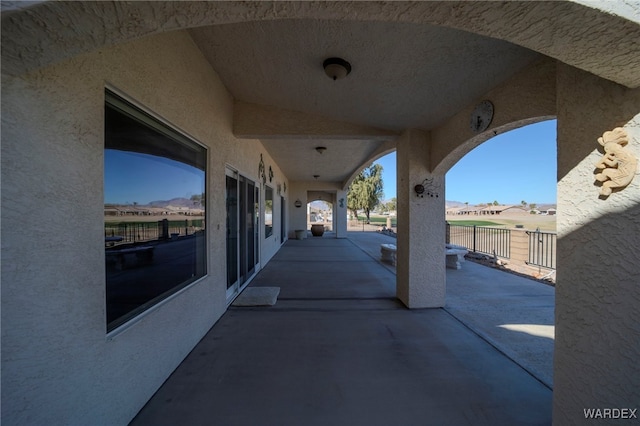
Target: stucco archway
(320, 212)
(75, 28)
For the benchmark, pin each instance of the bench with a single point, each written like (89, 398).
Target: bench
(455, 255)
(388, 253)
(110, 241)
(118, 258)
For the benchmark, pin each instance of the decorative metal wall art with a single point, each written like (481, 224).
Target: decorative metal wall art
(261, 170)
(427, 187)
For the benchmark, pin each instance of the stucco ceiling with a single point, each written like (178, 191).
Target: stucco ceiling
(414, 63)
(404, 76)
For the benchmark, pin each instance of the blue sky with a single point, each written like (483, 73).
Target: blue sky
(509, 168)
(131, 177)
(516, 166)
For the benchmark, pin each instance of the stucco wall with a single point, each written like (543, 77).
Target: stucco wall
(58, 365)
(598, 277)
(308, 191)
(269, 245)
(527, 97)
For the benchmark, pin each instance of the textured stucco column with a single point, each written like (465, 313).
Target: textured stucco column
(597, 343)
(340, 214)
(421, 279)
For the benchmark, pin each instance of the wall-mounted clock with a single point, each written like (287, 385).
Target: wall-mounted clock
(481, 116)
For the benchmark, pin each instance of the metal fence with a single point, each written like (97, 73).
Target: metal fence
(133, 232)
(542, 249)
(481, 239)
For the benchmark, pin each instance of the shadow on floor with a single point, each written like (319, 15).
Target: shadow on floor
(339, 349)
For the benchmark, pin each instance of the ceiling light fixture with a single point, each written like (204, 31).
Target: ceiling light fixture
(336, 68)
(321, 149)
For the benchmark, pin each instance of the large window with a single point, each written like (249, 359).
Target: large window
(154, 206)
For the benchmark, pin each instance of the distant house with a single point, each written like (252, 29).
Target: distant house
(515, 210)
(452, 211)
(493, 210)
(503, 210)
(546, 209)
(466, 210)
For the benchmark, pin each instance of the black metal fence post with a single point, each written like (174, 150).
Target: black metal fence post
(474, 238)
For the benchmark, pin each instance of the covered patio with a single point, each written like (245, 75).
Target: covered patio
(238, 94)
(338, 348)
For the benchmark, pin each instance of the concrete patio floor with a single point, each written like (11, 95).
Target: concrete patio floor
(513, 313)
(339, 349)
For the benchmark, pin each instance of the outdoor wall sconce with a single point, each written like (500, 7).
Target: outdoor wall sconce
(336, 68)
(426, 188)
(321, 149)
(298, 204)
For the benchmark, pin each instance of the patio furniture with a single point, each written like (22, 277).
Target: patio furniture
(455, 255)
(388, 253)
(118, 258)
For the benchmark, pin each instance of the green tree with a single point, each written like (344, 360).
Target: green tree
(365, 191)
(389, 206)
(392, 205)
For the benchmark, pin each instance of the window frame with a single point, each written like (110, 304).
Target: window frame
(132, 110)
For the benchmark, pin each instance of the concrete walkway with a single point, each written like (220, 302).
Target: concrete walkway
(339, 349)
(513, 313)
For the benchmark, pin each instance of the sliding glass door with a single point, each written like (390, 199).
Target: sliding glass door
(242, 231)
(283, 228)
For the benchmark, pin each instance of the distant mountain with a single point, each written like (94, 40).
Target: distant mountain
(177, 202)
(453, 204)
(320, 204)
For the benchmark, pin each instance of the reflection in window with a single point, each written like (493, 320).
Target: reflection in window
(154, 207)
(268, 212)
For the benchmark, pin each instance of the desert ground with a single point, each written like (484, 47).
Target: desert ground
(529, 222)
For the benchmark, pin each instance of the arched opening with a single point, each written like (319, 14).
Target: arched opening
(387, 209)
(509, 182)
(320, 214)
(500, 205)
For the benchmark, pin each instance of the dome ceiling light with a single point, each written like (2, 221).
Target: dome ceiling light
(336, 68)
